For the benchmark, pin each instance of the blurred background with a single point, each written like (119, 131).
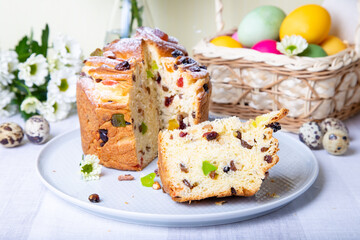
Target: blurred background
(88, 20)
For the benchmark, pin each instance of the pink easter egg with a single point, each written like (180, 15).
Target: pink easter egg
(266, 46)
(235, 36)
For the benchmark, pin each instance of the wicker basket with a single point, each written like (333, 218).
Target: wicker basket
(247, 83)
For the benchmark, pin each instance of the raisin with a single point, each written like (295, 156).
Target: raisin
(98, 80)
(186, 182)
(94, 198)
(161, 34)
(245, 144)
(171, 137)
(134, 78)
(232, 166)
(183, 134)
(206, 87)
(195, 69)
(233, 191)
(123, 66)
(268, 158)
(203, 67)
(176, 67)
(182, 125)
(183, 168)
(165, 88)
(168, 100)
(156, 171)
(185, 61)
(158, 78)
(147, 148)
(211, 135)
(275, 126)
(226, 169)
(212, 174)
(177, 53)
(193, 114)
(142, 152)
(180, 82)
(148, 90)
(103, 135)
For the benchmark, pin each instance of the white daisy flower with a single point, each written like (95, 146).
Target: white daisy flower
(30, 105)
(90, 169)
(68, 48)
(6, 108)
(54, 110)
(34, 70)
(55, 60)
(8, 64)
(291, 46)
(62, 85)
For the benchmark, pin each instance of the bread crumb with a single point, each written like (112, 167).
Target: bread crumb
(54, 171)
(156, 185)
(219, 203)
(126, 177)
(272, 180)
(273, 195)
(126, 203)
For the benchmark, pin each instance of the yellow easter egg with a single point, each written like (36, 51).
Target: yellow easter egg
(226, 41)
(312, 22)
(333, 45)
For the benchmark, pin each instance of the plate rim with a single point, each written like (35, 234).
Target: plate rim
(157, 218)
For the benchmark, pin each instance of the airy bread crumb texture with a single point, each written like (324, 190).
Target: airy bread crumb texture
(241, 153)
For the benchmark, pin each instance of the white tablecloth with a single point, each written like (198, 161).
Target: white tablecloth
(330, 209)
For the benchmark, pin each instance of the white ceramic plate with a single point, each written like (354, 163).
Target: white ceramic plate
(129, 201)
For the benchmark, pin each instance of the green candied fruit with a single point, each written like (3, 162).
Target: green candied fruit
(148, 180)
(154, 66)
(149, 74)
(143, 128)
(118, 120)
(207, 167)
(97, 52)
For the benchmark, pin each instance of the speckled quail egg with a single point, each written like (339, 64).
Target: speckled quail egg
(310, 134)
(336, 141)
(333, 123)
(11, 134)
(37, 129)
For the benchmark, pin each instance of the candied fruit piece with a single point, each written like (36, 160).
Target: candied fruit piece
(118, 120)
(143, 128)
(173, 124)
(149, 74)
(148, 180)
(180, 82)
(207, 167)
(97, 52)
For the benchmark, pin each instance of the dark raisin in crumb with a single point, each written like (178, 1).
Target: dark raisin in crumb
(232, 166)
(142, 152)
(182, 125)
(186, 182)
(103, 136)
(264, 149)
(168, 101)
(183, 134)
(177, 53)
(233, 191)
(140, 128)
(148, 90)
(98, 80)
(203, 67)
(176, 67)
(226, 169)
(183, 168)
(134, 78)
(245, 144)
(147, 148)
(206, 87)
(268, 158)
(165, 89)
(275, 126)
(158, 78)
(193, 114)
(94, 198)
(212, 174)
(211, 135)
(123, 66)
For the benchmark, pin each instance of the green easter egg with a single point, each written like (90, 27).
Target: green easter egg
(261, 23)
(314, 51)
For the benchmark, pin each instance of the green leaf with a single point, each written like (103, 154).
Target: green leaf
(23, 49)
(148, 180)
(45, 40)
(26, 116)
(143, 128)
(35, 47)
(88, 168)
(207, 167)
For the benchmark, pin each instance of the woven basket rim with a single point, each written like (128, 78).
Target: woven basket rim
(333, 62)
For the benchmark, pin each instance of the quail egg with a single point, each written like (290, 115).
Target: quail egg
(11, 134)
(333, 123)
(336, 141)
(37, 129)
(310, 134)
